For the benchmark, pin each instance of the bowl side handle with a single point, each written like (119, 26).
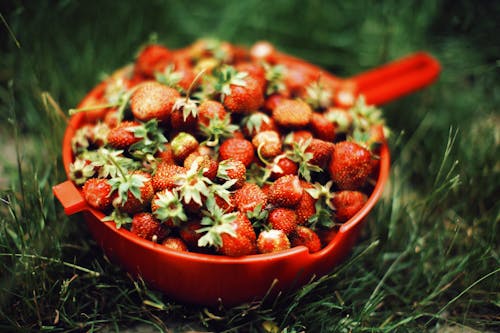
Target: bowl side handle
(70, 197)
(395, 79)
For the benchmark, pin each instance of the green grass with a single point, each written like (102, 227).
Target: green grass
(428, 257)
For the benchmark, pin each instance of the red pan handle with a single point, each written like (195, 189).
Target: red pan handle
(391, 81)
(70, 198)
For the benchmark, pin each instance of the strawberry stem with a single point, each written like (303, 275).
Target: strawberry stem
(191, 85)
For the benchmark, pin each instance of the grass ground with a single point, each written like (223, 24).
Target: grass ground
(428, 259)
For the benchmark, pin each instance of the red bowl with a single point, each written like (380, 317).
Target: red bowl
(209, 279)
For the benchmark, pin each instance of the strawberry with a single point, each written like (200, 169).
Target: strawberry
(270, 241)
(81, 170)
(263, 51)
(321, 127)
(326, 235)
(341, 118)
(193, 188)
(153, 100)
(249, 197)
(232, 169)
(318, 94)
(283, 219)
(146, 226)
(274, 100)
(298, 77)
(209, 109)
(98, 193)
(306, 237)
(135, 192)
(166, 175)
(231, 234)
(189, 233)
(292, 113)
(283, 166)
(182, 145)
(257, 122)
(350, 165)
(204, 162)
(268, 144)
(245, 98)
(307, 156)
(166, 155)
(167, 207)
(347, 204)
(298, 136)
(286, 191)
(244, 243)
(238, 149)
(306, 207)
(122, 136)
(226, 204)
(321, 152)
(175, 243)
(151, 59)
(179, 123)
(254, 70)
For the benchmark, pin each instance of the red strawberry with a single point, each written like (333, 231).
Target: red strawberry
(178, 123)
(189, 234)
(166, 156)
(167, 207)
(238, 149)
(175, 243)
(151, 59)
(272, 241)
(244, 243)
(245, 98)
(322, 128)
(145, 225)
(292, 113)
(209, 109)
(327, 235)
(204, 162)
(254, 70)
(97, 192)
(283, 219)
(153, 100)
(306, 237)
(306, 207)
(267, 143)
(350, 165)
(263, 51)
(347, 204)
(166, 175)
(274, 100)
(300, 135)
(286, 191)
(122, 136)
(321, 152)
(248, 197)
(226, 205)
(298, 77)
(258, 122)
(232, 169)
(135, 192)
(283, 166)
(182, 145)
(341, 118)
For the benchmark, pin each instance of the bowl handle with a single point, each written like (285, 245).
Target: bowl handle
(391, 81)
(70, 198)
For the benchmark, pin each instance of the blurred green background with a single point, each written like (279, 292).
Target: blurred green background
(429, 257)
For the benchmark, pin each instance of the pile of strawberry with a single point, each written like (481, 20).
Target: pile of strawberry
(224, 150)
